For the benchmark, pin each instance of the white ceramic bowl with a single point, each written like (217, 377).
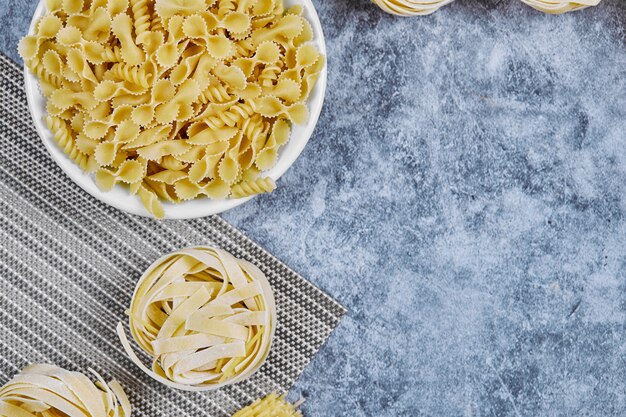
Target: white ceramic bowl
(120, 197)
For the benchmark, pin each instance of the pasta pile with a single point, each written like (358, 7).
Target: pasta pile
(177, 99)
(206, 318)
(411, 7)
(425, 7)
(560, 6)
(270, 406)
(49, 391)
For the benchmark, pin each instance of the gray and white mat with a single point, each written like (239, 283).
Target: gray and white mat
(68, 266)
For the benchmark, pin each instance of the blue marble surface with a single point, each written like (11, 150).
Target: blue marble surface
(464, 196)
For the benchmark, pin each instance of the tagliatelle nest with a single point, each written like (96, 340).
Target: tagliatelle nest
(421, 8)
(558, 7)
(49, 391)
(411, 7)
(206, 318)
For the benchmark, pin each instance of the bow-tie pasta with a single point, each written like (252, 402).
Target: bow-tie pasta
(174, 99)
(206, 318)
(48, 391)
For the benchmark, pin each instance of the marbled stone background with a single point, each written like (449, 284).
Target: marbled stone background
(464, 196)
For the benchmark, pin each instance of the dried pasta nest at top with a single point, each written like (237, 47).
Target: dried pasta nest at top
(206, 318)
(411, 7)
(46, 390)
(558, 7)
(174, 99)
(423, 7)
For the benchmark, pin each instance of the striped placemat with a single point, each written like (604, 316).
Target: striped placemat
(68, 266)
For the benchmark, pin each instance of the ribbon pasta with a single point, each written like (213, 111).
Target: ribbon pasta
(174, 99)
(411, 7)
(560, 6)
(46, 390)
(426, 7)
(206, 318)
(272, 405)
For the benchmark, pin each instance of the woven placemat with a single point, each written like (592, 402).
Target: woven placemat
(68, 266)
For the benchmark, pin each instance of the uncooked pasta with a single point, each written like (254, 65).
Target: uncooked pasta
(411, 7)
(175, 99)
(205, 317)
(48, 391)
(558, 7)
(270, 406)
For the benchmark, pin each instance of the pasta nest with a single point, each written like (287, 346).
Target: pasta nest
(558, 7)
(205, 317)
(422, 8)
(411, 7)
(48, 391)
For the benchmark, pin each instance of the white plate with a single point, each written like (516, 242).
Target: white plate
(120, 197)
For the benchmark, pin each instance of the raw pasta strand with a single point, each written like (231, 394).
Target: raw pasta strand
(225, 6)
(132, 74)
(230, 117)
(156, 25)
(248, 188)
(270, 406)
(39, 69)
(215, 94)
(63, 136)
(112, 54)
(141, 15)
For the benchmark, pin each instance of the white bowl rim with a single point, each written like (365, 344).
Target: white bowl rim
(120, 197)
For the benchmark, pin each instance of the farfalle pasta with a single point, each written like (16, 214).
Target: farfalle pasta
(174, 99)
(205, 317)
(48, 391)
